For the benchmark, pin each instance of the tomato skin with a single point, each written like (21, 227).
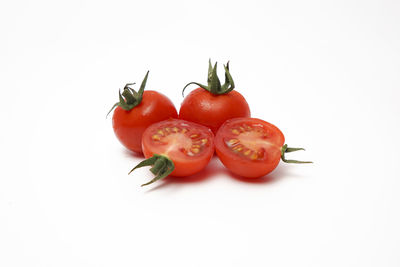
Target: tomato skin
(184, 165)
(129, 125)
(205, 108)
(244, 166)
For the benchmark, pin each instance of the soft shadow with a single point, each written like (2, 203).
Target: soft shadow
(131, 154)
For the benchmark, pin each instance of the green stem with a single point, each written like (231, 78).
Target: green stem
(213, 83)
(162, 166)
(286, 149)
(129, 97)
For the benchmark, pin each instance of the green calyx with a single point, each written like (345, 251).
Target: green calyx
(213, 83)
(286, 149)
(129, 97)
(162, 166)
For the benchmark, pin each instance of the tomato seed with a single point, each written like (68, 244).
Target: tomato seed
(248, 128)
(238, 148)
(254, 156)
(235, 131)
(193, 136)
(233, 142)
(156, 137)
(247, 152)
(195, 150)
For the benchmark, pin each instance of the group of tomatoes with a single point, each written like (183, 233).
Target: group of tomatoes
(212, 117)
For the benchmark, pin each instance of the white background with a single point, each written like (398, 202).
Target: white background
(325, 72)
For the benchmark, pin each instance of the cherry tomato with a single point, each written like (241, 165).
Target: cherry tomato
(251, 147)
(213, 104)
(130, 120)
(177, 148)
(211, 110)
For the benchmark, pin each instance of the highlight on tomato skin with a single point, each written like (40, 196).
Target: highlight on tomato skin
(177, 148)
(251, 147)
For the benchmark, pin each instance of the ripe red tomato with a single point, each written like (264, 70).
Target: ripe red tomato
(213, 104)
(211, 110)
(130, 120)
(177, 148)
(251, 147)
(129, 125)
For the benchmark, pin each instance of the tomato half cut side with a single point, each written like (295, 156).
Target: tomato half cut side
(177, 148)
(251, 147)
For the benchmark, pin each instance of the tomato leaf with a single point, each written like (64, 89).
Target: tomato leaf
(141, 89)
(210, 70)
(213, 83)
(146, 162)
(129, 97)
(229, 84)
(162, 166)
(286, 149)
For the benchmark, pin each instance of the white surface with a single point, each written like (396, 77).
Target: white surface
(325, 72)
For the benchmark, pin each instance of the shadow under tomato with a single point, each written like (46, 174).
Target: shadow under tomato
(131, 154)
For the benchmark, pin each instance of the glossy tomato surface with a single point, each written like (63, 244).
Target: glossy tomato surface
(211, 110)
(129, 125)
(249, 147)
(190, 146)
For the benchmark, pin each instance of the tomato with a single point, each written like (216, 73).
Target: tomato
(129, 125)
(251, 147)
(211, 110)
(213, 104)
(130, 120)
(177, 148)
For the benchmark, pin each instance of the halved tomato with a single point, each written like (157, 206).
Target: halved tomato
(251, 147)
(177, 148)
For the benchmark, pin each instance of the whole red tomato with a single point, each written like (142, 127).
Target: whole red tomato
(251, 147)
(213, 104)
(138, 110)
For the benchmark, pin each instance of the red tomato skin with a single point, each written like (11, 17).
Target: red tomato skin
(246, 167)
(182, 167)
(210, 110)
(129, 125)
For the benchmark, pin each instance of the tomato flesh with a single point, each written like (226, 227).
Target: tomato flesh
(129, 125)
(249, 147)
(190, 146)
